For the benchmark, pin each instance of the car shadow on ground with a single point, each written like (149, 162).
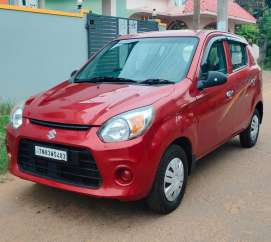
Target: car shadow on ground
(71, 205)
(213, 159)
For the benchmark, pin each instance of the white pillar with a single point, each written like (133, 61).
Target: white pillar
(109, 7)
(41, 3)
(196, 15)
(114, 8)
(223, 15)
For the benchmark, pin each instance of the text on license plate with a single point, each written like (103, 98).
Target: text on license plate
(51, 153)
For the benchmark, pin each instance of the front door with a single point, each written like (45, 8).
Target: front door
(213, 104)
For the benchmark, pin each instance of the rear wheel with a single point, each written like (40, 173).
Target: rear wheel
(170, 183)
(249, 137)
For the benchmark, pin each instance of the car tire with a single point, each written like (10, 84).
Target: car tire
(169, 185)
(249, 137)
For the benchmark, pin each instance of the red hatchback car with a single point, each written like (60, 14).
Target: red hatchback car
(133, 121)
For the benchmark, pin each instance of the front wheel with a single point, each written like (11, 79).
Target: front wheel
(170, 183)
(249, 137)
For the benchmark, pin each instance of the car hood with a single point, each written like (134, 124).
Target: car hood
(89, 103)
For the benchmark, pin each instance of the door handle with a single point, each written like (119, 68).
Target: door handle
(229, 94)
(252, 82)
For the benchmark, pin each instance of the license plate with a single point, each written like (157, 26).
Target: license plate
(51, 153)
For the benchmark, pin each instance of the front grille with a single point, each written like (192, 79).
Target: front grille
(60, 125)
(80, 169)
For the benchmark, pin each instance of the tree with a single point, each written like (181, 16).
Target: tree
(260, 33)
(249, 31)
(265, 36)
(265, 24)
(256, 8)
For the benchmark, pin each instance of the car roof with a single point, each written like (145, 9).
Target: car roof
(182, 33)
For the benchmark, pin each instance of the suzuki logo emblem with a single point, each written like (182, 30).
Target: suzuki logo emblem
(51, 134)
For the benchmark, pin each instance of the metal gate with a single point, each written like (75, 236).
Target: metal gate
(103, 29)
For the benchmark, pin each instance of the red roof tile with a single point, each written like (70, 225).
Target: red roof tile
(210, 6)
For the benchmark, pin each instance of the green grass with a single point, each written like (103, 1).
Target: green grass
(4, 118)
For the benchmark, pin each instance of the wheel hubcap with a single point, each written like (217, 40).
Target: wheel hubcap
(173, 180)
(254, 128)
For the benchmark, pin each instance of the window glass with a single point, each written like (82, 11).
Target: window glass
(238, 55)
(216, 60)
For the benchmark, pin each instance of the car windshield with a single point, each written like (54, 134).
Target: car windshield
(141, 60)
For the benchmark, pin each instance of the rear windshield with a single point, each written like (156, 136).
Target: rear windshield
(142, 59)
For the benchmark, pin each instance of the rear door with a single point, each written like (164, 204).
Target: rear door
(213, 104)
(243, 80)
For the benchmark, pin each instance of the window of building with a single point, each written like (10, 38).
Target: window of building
(211, 26)
(177, 24)
(29, 3)
(179, 3)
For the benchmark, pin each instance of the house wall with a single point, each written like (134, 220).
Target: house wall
(3, 1)
(157, 4)
(70, 5)
(38, 51)
(125, 8)
(96, 6)
(122, 9)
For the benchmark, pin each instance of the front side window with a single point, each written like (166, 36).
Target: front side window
(215, 61)
(238, 55)
(142, 59)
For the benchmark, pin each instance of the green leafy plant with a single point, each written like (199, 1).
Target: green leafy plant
(249, 31)
(265, 36)
(260, 33)
(5, 109)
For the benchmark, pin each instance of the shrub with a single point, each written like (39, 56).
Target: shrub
(5, 109)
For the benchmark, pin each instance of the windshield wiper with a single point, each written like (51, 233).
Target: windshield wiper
(106, 79)
(157, 82)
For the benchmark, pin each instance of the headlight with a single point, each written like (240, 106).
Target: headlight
(16, 116)
(127, 125)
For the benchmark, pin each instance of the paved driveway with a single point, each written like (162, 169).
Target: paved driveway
(228, 199)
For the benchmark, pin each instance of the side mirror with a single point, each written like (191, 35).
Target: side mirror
(73, 73)
(214, 78)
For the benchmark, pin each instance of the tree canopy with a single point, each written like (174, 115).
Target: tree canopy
(249, 31)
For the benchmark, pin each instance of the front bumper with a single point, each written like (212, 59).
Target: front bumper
(137, 155)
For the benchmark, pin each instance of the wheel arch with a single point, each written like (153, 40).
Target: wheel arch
(186, 144)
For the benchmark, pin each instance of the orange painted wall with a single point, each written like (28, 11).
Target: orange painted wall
(3, 1)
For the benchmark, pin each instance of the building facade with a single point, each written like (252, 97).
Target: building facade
(175, 14)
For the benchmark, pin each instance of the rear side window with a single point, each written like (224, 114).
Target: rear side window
(238, 55)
